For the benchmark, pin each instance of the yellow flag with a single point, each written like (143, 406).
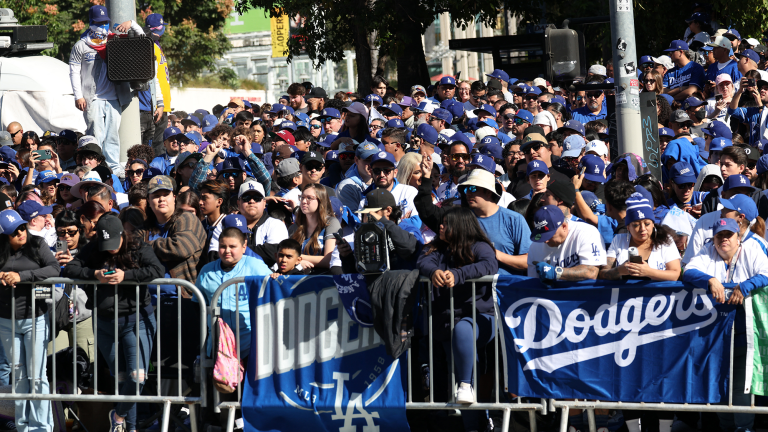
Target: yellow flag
(280, 35)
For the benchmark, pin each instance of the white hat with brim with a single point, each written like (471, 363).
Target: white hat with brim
(91, 178)
(481, 178)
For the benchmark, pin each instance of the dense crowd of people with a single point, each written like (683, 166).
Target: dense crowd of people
(496, 176)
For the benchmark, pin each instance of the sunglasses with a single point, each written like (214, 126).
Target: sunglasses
(472, 189)
(534, 147)
(519, 121)
(461, 156)
(20, 229)
(752, 165)
(378, 171)
(315, 126)
(594, 94)
(313, 167)
(67, 233)
(64, 187)
(229, 175)
(579, 98)
(374, 127)
(433, 118)
(646, 65)
(482, 98)
(138, 172)
(531, 97)
(649, 81)
(17, 132)
(509, 116)
(347, 156)
(251, 198)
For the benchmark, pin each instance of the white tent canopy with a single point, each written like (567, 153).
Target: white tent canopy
(35, 91)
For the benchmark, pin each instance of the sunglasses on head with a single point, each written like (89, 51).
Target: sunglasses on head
(138, 172)
(378, 171)
(461, 156)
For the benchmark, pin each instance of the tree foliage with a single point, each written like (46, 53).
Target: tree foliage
(193, 40)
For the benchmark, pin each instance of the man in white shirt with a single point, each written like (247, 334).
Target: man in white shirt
(562, 249)
(383, 168)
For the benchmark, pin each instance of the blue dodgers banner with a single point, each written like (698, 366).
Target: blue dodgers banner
(628, 341)
(312, 367)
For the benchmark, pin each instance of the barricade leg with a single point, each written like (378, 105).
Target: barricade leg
(192, 417)
(731, 421)
(591, 419)
(505, 419)
(231, 419)
(166, 416)
(532, 426)
(564, 419)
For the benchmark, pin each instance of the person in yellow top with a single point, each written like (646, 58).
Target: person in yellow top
(155, 104)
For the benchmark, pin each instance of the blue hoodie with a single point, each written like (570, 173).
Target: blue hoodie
(682, 150)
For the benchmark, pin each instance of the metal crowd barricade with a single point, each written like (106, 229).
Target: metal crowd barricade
(166, 401)
(506, 407)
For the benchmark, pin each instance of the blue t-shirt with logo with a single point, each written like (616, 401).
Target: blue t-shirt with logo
(731, 69)
(690, 74)
(508, 232)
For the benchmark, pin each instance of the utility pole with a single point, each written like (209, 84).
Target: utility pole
(119, 12)
(625, 77)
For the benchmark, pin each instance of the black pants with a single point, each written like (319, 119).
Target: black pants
(147, 123)
(157, 140)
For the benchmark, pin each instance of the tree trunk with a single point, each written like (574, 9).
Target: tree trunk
(411, 61)
(363, 59)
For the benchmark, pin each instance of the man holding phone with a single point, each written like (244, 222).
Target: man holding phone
(758, 91)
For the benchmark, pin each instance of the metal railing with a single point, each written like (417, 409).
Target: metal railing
(53, 395)
(506, 407)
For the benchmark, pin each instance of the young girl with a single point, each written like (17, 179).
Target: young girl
(314, 227)
(538, 177)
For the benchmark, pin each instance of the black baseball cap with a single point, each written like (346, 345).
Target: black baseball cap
(5, 202)
(564, 191)
(378, 199)
(109, 230)
(312, 156)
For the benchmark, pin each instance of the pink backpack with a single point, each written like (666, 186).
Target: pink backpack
(227, 371)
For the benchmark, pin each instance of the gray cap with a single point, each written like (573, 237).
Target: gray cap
(287, 167)
(5, 139)
(680, 116)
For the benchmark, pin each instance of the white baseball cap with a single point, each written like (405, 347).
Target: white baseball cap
(664, 61)
(250, 186)
(598, 70)
(752, 41)
(598, 147)
(720, 42)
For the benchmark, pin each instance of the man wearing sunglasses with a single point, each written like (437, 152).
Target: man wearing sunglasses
(446, 89)
(16, 132)
(440, 119)
(520, 121)
(233, 172)
(477, 96)
(394, 140)
(456, 158)
(384, 172)
(681, 124)
(331, 118)
(594, 108)
(262, 228)
(531, 100)
(358, 177)
(312, 170)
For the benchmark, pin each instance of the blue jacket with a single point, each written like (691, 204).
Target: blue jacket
(682, 150)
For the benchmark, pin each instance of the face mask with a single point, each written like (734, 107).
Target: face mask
(100, 31)
(700, 114)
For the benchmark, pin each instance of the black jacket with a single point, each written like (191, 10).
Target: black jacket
(393, 295)
(429, 213)
(29, 271)
(90, 259)
(710, 202)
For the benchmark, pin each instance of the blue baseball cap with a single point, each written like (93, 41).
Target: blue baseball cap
(558, 99)
(666, 132)
(572, 146)
(288, 125)
(536, 166)
(331, 155)
(455, 108)
(427, 133)
(743, 204)
(485, 108)
(677, 45)
(395, 108)
(374, 98)
(489, 140)
(396, 123)
(669, 98)
(257, 148)
(460, 138)
(524, 115)
(733, 32)
(737, 181)
(233, 164)
(447, 80)
(718, 129)
(384, 156)
(762, 164)
(276, 108)
(172, 132)
(682, 173)
(692, 102)
(443, 114)
(499, 74)
(194, 136)
(30, 209)
(646, 59)
(366, 149)
(209, 122)
(574, 125)
(247, 103)
(235, 221)
(546, 221)
(488, 122)
(718, 144)
(98, 14)
(493, 150)
(484, 161)
(639, 207)
(724, 224)
(699, 16)
(191, 119)
(202, 112)
(701, 144)
(156, 24)
(748, 53)
(46, 177)
(302, 123)
(10, 220)
(330, 113)
(533, 90)
(595, 167)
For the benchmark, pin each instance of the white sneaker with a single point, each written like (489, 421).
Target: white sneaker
(465, 394)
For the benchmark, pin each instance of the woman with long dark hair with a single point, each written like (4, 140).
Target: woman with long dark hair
(355, 122)
(314, 227)
(90, 213)
(461, 252)
(64, 189)
(653, 186)
(114, 257)
(560, 113)
(25, 258)
(189, 201)
(29, 141)
(659, 259)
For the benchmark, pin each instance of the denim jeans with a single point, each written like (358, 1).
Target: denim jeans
(103, 121)
(132, 358)
(31, 415)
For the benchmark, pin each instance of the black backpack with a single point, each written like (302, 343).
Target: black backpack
(61, 313)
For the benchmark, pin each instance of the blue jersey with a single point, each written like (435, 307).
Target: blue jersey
(584, 115)
(690, 74)
(731, 69)
(751, 117)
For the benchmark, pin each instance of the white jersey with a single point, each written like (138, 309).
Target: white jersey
(750, 263)
(582, 246)
(404, 195)
(505, 200)
(658, 259)
(294, 195)
(702, 234)
(272, 231)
